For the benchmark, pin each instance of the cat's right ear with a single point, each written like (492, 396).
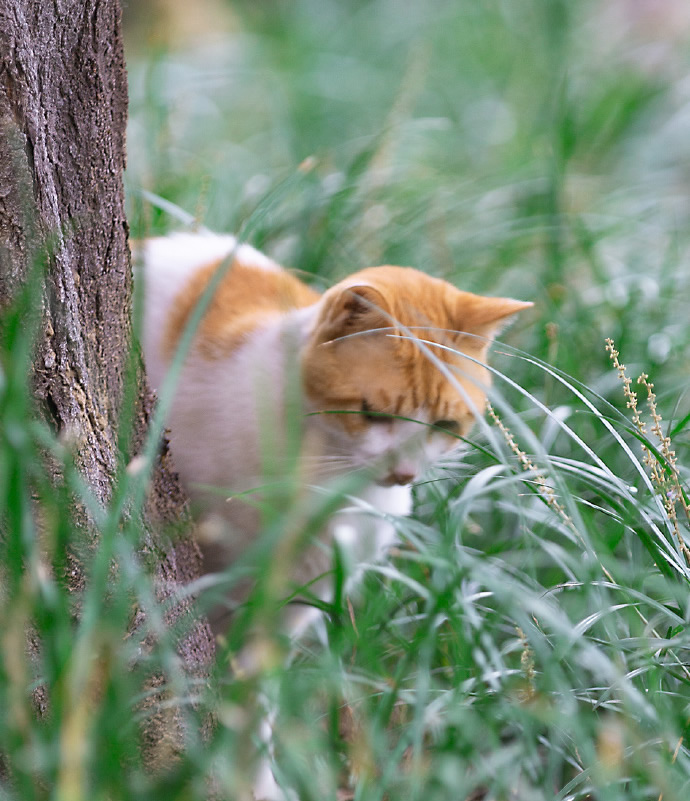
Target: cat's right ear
(351, 310)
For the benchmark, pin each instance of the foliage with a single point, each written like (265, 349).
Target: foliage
(529, 638)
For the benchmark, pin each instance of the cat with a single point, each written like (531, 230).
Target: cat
(377, 377)
(374, 371)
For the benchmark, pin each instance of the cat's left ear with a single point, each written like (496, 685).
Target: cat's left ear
(350, 310)
(486, 317)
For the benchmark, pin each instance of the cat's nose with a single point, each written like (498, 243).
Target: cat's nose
(403, 471)
(402, 477)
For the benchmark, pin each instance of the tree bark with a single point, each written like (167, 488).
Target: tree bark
(63, 110)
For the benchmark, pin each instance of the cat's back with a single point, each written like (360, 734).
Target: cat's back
(177, 270)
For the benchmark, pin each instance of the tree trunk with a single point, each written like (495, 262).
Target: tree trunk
(63, 109)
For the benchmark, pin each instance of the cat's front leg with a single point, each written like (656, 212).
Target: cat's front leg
(364, 529)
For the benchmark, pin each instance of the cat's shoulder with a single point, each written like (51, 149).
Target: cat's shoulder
(252, 289)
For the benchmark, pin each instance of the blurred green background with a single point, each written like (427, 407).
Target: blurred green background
(529, 639)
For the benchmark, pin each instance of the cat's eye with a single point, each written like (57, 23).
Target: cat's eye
(372, 416)
(450, 426)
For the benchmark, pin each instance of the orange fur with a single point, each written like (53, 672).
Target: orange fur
(238, 306)
(397, 370)
(392, 368)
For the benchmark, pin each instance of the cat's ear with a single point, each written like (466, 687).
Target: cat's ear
(486, 317)
(350, 310)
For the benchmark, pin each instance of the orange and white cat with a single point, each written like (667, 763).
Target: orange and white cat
(375, 372)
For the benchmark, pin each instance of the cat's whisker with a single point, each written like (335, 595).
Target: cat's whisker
(340, 464)
(335, 464)
(327, 460)
(325, 457)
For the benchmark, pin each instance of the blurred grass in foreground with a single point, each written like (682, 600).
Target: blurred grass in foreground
(529, 638)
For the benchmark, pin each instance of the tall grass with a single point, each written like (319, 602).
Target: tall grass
(528, 638)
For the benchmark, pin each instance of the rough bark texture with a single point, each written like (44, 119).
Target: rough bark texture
(63, 108)
(64, 99)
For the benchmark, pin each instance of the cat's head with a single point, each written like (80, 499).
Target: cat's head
(393, 369)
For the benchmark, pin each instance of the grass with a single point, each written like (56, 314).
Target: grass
(530, 635)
